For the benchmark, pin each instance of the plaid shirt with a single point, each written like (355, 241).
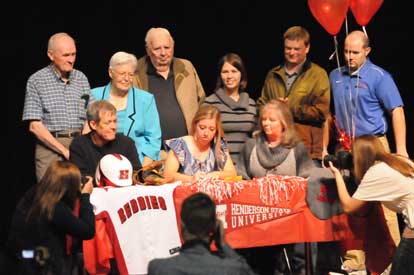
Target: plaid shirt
(59, 105)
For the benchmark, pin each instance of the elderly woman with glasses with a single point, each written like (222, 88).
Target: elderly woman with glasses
(137, 113)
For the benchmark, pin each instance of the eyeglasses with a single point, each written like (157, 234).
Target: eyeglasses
(124, 74)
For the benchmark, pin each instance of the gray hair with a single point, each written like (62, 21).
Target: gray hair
(154, 32)
(93, 113)
(52, 40)
(121, 58)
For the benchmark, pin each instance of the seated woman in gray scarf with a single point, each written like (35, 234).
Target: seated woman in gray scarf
(276, 149)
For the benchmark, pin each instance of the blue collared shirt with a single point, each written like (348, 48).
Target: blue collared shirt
(362, 99)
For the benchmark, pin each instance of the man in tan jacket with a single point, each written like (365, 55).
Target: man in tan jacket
(174, 82)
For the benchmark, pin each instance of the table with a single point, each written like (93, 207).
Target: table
(138, 223)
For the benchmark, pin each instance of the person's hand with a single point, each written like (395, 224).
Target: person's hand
(156, 164)
(283, 99)
(333, 169)
(199, 175)
(213, 175)
(203, 175)
(153, 165)
(218, 236)
(402, 153)
(66, 153)
(88, 186)
(154, 179)
(220, 231)
(135, 178)
(324, 153)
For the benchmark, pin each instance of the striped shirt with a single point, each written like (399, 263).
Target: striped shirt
(58, 105)
(238, 119)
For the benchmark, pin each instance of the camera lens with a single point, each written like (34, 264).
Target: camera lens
(345, 160)
(330, 158)
(342, 160)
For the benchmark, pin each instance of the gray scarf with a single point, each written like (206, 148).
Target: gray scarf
(269, 157)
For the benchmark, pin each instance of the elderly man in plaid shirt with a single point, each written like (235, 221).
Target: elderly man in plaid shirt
(57, 97)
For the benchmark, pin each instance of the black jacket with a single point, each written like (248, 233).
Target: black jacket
(48, 238)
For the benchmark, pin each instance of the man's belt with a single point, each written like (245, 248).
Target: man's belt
(66, 134)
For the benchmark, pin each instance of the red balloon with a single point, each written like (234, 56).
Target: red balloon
(363, 10)
(329, 13)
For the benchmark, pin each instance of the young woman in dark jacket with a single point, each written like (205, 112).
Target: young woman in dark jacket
(48, 220)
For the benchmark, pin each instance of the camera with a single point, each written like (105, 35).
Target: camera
(38, 256)
(84, 180)
(341, 160)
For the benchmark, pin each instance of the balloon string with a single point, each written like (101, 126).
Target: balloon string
(336, 51)
(365, 31)
(346, 24)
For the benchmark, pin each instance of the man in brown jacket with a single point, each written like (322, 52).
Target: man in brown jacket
(174, 82)
(304, 86)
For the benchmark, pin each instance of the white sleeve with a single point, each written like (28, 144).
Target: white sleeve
(380, 183)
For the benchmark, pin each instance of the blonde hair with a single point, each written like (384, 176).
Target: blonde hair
(290, 137)
(210, 112)
(297, 33)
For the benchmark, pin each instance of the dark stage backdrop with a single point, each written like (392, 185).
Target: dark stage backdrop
(203, 32)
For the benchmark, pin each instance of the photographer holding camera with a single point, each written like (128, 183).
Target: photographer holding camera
(47, 220)
(386, 178)
(365, 98)
(199, 228)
